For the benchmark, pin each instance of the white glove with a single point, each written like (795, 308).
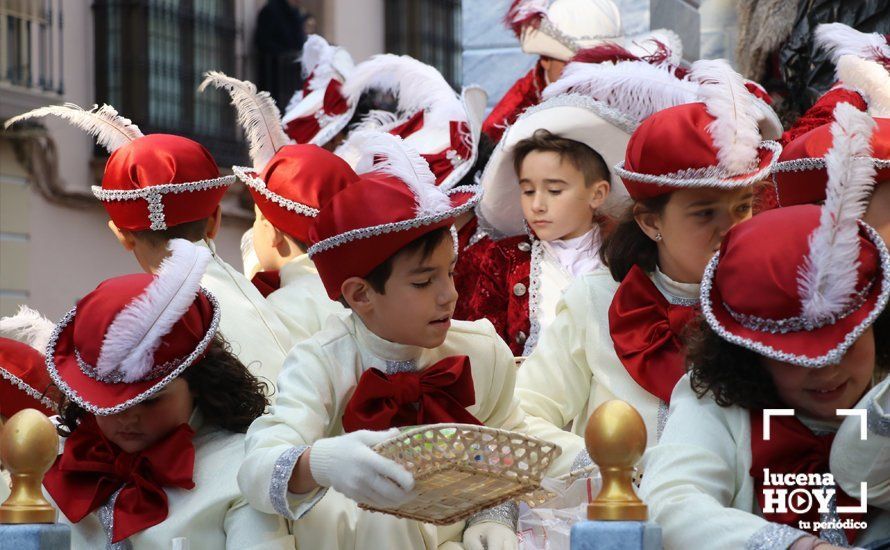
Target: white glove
(490, 535)
(347, 463)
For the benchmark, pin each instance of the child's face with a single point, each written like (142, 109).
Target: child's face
(692, 226)
(878, 213)
(555, 201)
(143, 425)
(419, 299)
(820, 392)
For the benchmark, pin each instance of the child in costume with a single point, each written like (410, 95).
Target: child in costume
(396, 359)
(289, 184)
(794, 306)
(160, 187)
(153, 414)
(616, 332)
(863, 71)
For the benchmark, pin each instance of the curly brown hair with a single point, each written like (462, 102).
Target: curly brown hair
(227, 394)
(734, 375)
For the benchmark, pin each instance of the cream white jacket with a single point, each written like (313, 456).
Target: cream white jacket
(302, 302)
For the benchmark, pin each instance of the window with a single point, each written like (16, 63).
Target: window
(428, 30)
(30, 35)
(150, 58)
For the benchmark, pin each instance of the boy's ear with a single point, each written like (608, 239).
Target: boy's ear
(600, 191)
(357, 293)
(649, 222)
(124, 236)
(213, 223)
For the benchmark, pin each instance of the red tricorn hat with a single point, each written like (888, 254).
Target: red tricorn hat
(24, 382)
(828, 274)
(131, 336)
(395, 201)
(150, 182)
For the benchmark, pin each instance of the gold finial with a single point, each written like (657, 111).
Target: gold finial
(29, 445)
(616, 440)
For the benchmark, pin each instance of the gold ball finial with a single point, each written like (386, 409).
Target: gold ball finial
(616, 440)
(29, 445)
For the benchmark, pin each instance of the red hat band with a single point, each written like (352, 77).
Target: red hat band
(160, 181)
(24, 382)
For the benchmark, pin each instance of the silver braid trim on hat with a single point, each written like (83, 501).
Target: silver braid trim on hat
(818, 163)
(610, 114)
(73, 395)
(547, 27)
(257, 184)
(382, 229)
(334, 124)
(833, 356)
(709, 176)
(27, 388)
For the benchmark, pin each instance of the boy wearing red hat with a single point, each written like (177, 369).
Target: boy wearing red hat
(396, 359)
(161, 187)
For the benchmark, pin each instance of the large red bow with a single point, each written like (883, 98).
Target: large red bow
(645, 330)
(304, 128)
(267, 282)
(792, 449)
(91, 469)
(440, 393)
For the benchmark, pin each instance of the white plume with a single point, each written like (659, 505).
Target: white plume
(378, 119)
(136, 332)
(385, 153)
(870, 78)
(647, 44)
(110, 129)
(257, 114)
(29, 327)
(522, 10)
(827, 279)
(416, 86)
(318, 60)
(839, 39)
(635, 88)
(734, 131)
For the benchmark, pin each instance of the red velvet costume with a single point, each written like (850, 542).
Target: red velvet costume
(524, 93)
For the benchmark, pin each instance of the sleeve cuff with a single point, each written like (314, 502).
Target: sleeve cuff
(879, 412)
(774, 535)
(582, 460)
(289, 505)
(506, 514)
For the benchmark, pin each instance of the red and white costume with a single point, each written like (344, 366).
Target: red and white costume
(829, 280)
(621, 340)
(121, 344)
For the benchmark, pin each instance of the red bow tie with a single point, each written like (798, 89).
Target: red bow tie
(645, 330)
(91, 469)
(792, 449)
(267, 282)
(440, 393)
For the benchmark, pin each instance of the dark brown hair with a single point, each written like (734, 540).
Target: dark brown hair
(190, 231)
(227, 394)
(586, 160)
(734, 375)
(627, 245)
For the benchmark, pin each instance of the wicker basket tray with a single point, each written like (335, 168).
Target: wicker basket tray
(460, 469)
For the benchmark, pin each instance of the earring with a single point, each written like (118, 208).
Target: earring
(657, 237)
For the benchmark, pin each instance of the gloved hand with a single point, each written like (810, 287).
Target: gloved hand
(347, 463)
(490, 535)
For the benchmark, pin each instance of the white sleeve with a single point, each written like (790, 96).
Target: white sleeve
(690, 481)
(249, 528)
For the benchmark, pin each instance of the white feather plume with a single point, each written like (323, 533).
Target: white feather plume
(647, 44)
(870, 78)
(385, 153)
(827, 278)
(257, 114)
(136, 331)
(522, 10)
(735, 130)
(416, 86)
(839, 39)
(377, 119)
(635, 88)
(29, 327)
(318, 60)
(110, 129)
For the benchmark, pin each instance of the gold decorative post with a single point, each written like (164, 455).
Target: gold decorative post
(29, 445)
(616, 440)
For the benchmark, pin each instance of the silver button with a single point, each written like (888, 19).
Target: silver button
(519, 289)
(524, 246)
(521, 338)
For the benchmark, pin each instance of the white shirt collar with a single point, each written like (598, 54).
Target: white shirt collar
(383, 350)
(577, 256)
(680, 292)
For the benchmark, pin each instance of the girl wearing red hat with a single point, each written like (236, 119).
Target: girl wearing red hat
(794, 319)
(690, 171)
(160, 187)
(153, 412)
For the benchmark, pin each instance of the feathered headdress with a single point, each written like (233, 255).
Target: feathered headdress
(525, 12)
(318, 62)
(135, 334)
(869, 78)
(110, 129)
(29, 327)
(385, 153)
(257, 114)
(840, 40)
(827, 279)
